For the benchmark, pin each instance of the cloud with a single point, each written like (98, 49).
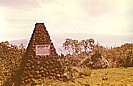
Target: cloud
(16, 29)
(18, 4)
(96, 7)
(109, 17)
(63, 16)
(130, 18)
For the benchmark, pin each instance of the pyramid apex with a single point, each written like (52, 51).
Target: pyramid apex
(38, 24)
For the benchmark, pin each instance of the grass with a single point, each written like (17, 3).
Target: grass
(112, 77)
(100, 77)
(104, 77)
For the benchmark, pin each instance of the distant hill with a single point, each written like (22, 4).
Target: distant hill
(105, 40)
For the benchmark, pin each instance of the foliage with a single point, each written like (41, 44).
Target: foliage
(76, 47)
(10, 56)
(88, 53)
(102, 57)
(80, 54)
(120, 56)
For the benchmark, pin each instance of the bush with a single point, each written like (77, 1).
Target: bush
(10, 57)
(85, 71)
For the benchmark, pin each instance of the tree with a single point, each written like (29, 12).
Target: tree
(76, 47)
(87, 45)
(71, 46)
(10, 56)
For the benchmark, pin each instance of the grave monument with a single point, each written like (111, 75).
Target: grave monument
(40, 60)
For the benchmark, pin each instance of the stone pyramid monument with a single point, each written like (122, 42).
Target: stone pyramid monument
(40, 60)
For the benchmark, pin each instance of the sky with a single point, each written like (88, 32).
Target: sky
(112, 17)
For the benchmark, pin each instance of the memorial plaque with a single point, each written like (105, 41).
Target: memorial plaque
(43, 50)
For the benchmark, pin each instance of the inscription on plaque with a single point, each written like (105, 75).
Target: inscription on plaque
(43, 50)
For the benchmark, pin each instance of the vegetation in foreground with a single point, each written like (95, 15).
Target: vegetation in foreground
(98, 77)
(81, 57)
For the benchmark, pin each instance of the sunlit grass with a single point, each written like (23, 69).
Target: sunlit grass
(99, 77)
(114, 76)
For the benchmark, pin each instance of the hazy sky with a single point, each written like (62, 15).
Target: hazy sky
(18, 17)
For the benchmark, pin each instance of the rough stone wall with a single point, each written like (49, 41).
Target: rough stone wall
(36, 67)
